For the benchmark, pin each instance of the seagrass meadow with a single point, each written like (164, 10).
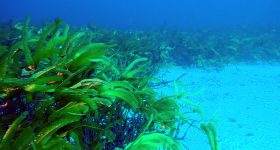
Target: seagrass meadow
(139, 75)
(62, 88)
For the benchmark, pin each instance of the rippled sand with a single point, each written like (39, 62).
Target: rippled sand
(245, 99)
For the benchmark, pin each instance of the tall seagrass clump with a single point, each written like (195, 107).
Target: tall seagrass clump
(59, 91)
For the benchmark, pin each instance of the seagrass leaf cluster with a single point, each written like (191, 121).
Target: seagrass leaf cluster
(61, 92)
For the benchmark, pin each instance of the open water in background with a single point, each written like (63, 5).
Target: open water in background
(182, 14)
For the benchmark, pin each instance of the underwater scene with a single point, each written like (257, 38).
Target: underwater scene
(139, 75)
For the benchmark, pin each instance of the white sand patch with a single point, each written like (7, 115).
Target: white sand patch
(246, 99)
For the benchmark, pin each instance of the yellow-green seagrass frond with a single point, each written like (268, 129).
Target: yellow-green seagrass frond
(154, 141)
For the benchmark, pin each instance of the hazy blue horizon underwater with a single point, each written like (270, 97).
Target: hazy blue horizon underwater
(240, 96)
(182, 14)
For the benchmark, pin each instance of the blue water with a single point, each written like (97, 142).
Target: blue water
(147, 13)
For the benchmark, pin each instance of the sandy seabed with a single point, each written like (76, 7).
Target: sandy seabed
(245, 100)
